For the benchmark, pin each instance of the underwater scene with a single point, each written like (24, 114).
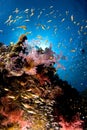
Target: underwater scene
(43, 65)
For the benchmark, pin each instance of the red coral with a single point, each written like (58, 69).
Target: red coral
(14, 116)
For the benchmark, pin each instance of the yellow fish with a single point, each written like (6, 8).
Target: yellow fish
(46, 41)
(23, 27)
(73, 50)
(39, 37)
(11, 97)
(28, 33)
(26, 105)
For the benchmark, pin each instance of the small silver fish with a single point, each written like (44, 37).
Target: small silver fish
(1, 31)
(51, 7)
(43, 27)
(70, 39)
(16, 10)
(26, 20)
(63, 20)
(72, 18)
(51, 12)
(26, 10)
(9, 19)
(49, 21)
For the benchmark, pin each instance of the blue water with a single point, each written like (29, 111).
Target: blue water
(63, 23)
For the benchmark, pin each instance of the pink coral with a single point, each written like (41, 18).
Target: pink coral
(75, 125)
(38, 59)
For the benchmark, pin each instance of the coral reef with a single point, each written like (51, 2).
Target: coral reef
(32, 96)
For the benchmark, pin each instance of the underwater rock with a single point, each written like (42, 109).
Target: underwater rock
(1, 44)
(32, 96)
